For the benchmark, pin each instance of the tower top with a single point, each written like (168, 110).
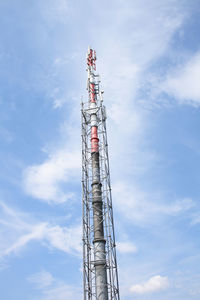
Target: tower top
(91, 58)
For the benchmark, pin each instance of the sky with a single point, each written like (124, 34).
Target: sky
(148, 56)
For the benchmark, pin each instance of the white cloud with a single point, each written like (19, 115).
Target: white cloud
(196, 219)
(18, 230)
(65, 239)
(125, 51)
(145, 208)
(122, 69)
(62, 238)
(155, 283)
(58, 102)
(126, 247)
(183, 82)
(61, 291)
(42, 279)
(52, 288)
(43, 181)
(36, 233)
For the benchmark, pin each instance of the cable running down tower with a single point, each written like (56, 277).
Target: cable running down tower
(100, 275)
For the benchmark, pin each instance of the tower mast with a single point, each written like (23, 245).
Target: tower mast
(100, 275)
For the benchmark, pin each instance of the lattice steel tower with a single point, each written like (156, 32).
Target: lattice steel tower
(100, 275)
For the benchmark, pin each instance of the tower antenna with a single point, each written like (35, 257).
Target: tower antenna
(100, 274)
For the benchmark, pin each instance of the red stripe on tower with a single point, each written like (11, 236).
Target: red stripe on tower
(94, 140)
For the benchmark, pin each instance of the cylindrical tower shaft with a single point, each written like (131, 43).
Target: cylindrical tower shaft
(98, 240)
(100, 274)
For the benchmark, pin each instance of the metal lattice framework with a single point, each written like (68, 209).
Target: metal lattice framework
(100, 275)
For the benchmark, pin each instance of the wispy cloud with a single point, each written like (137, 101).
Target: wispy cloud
(44, 181)
(35, 234)
(22, 230)
(42, 279)
(124, 69)
(52, 288)
(145, 208)
(123, 72)
(126, 247)
(62, 238)
(183, 82)
(154, 284)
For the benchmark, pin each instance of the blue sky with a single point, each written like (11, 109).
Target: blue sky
(149, 60)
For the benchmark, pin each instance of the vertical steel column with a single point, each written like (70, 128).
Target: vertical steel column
(98, 241)
(99, 253)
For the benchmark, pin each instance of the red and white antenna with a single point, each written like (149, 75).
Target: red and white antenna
(91, 58)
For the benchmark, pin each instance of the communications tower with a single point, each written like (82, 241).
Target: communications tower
(100, 275)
